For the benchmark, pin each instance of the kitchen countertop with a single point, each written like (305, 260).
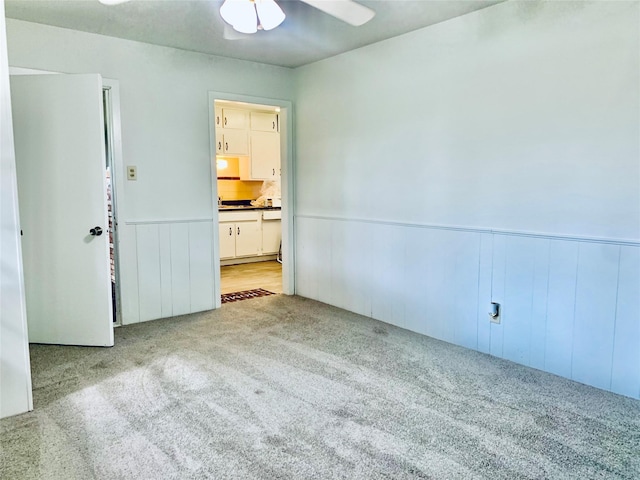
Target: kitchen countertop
(233, 208)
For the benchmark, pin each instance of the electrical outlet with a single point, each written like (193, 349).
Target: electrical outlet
(494, 313)
(132, 172)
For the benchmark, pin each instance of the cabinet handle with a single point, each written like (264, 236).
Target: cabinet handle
(218, 120)
(226, 146)
(225, 121)
(219, 145)
(230, 231)
(274, 172)
(274, 125)
(238, 230)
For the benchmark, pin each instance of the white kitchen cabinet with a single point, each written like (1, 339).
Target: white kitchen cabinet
(231, 118)
(232, 142)
(264, 122)
(227, 240)
(271, 231)
(264, 162)
(218, 117)
(246, 234)
(240, 234)
(248, 239)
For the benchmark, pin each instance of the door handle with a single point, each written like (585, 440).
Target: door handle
(96, 231)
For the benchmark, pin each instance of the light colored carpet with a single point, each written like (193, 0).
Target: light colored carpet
(283, 387)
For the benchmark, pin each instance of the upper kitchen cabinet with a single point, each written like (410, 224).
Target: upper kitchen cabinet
(253, 136)
(232, 118)
(264, 122)
(264, 163)
(232, 142)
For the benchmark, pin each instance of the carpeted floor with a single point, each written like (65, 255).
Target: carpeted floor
(283, 387)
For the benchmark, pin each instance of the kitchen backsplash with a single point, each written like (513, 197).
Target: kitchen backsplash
(238, 189)
(235, 189)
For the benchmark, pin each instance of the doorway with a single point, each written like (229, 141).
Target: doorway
(250, 166)
(110, 174)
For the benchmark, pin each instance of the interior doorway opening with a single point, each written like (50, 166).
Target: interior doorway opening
(245, 132)
(110, 174)
(248, 178)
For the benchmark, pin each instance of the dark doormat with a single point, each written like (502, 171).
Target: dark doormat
(237, 296)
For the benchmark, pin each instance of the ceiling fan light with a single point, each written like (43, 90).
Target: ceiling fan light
(241, 15)
(269, 13)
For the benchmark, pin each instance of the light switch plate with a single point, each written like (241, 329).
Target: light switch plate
(132, 172)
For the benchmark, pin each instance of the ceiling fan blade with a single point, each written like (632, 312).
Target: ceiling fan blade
(346, 10)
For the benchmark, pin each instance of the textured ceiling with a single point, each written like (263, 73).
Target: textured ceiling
(307, 35)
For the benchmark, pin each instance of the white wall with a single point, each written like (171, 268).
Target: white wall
(165, 133)
(15, 373)
(493, 157)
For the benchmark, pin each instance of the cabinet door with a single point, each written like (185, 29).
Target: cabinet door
(235, 142)
(265, 155)
(264, 122)
(218, 117)
(248, 239)
(219, 142)
(271, 235)
(227, 240)
(237, 119)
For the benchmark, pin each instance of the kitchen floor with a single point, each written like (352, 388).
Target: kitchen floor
(249, 276)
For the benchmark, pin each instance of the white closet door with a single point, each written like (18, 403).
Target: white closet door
(60, 158)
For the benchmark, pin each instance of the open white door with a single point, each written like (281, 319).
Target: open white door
(60, 157)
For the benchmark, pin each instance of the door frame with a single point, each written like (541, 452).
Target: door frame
(286, 183)
(117, 179)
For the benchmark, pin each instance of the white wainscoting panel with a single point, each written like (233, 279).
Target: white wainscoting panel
(172, 267)
(563, 268)
(417, 277)
(568, 306)
(307, 258)
(485, 265)
(596, 292)
(518, 298)
(201, 266)
(465, 286)
(128, 265)
(388, 246)
(357, 271)
(148, 246)
(625, 370)
(166, 295)
(180, 269)
(538, 332)
(498, 280)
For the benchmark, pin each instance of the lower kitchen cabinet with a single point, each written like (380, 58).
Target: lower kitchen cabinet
(240, 239)
(249, 234)
(271, 235)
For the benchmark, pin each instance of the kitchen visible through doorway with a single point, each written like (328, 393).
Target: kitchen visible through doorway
(248, 179)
